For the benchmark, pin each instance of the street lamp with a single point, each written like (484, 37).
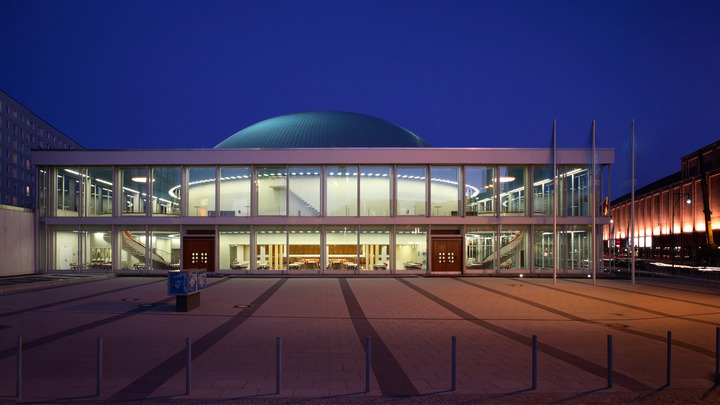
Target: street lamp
(672, 224)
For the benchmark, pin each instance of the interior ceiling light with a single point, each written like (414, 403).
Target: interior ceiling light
(506, 179)
(140, 179)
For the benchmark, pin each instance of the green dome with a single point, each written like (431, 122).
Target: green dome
(324, 129)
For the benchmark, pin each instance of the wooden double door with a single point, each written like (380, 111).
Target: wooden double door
(199, 253)
(446, 255)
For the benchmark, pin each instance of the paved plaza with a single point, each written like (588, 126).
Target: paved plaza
(323, 324)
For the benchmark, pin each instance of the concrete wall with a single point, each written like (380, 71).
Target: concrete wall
(17, 240)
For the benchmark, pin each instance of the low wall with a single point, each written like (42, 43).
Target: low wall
(17, 239)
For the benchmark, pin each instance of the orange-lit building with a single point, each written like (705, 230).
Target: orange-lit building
(671, 212)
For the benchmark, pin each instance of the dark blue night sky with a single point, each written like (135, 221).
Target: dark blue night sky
(186, 74)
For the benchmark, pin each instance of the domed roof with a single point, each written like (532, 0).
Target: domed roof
(324, 129)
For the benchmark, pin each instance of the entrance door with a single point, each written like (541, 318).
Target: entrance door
(446, 255)
(198, 253)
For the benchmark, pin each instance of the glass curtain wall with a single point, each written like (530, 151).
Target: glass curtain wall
(271, 187)
(411, 186)
(166, 190)
(544, 247)
(480, 248)
(97, 248)
(342, 191)
(164, 248)
(444, 191)
(271, 248)
(304, 196)
(235, 192)
(480, 191)
(201, 191)
(375, 193)
(134, 190)
(42, 197)
(341, 247)
(410, 247)
(374, 248)
(513, 247)
(98, 191)
(304, 248)
(543, 190)
(67, 192)
(132, 241)
(511, 181)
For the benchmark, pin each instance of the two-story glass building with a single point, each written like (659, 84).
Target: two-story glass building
(321, 193)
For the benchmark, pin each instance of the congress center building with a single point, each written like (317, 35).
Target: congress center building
(321, 193)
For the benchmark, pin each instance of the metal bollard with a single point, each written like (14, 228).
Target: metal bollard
(278, 364)
(367, 364)
(717, 356)
(98, 387)
(534, 362)
(669, 357)
(18, 381)
(454, 363)
(609, 361)
(188, 368)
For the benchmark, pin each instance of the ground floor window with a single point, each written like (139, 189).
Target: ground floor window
(544, 247)
(133, 243)
(304, 248)
(480, 248)
(234, 248)
(164, 248)
(410, 247)
(341, 246)
(271, 250)
(513, 247)
(374, 248)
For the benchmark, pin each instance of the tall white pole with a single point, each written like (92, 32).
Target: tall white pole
(632, 206)
(555, 203)
(593, 195)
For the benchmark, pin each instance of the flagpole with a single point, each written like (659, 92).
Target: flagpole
(555, 203)
(594, 209)
(632, 206)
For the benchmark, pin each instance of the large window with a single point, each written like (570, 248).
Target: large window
(98, 188)
(304, 248)
(166, 190)
(375, 248)
(164, 248)
(97, 248)
(271, 187)
(577, 191)
(575, 247)
(342, 247)
(304, 197)
(544, 247)
(512, 190)
(201, 191)
(480, 248)
(410, 248)
(134, 190)
(543, 190)
(480, 190)
(67, 250)
(67, 192)
(375, 196)
(271, 248)
(235, 192)
(133, 242)
(234, 248)
(444, 191)
(513, 247)
(411, 190)
(342, 191)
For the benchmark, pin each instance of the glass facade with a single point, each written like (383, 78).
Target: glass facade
(329, 218)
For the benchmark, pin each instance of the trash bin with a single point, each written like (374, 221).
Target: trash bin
(186, 285)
